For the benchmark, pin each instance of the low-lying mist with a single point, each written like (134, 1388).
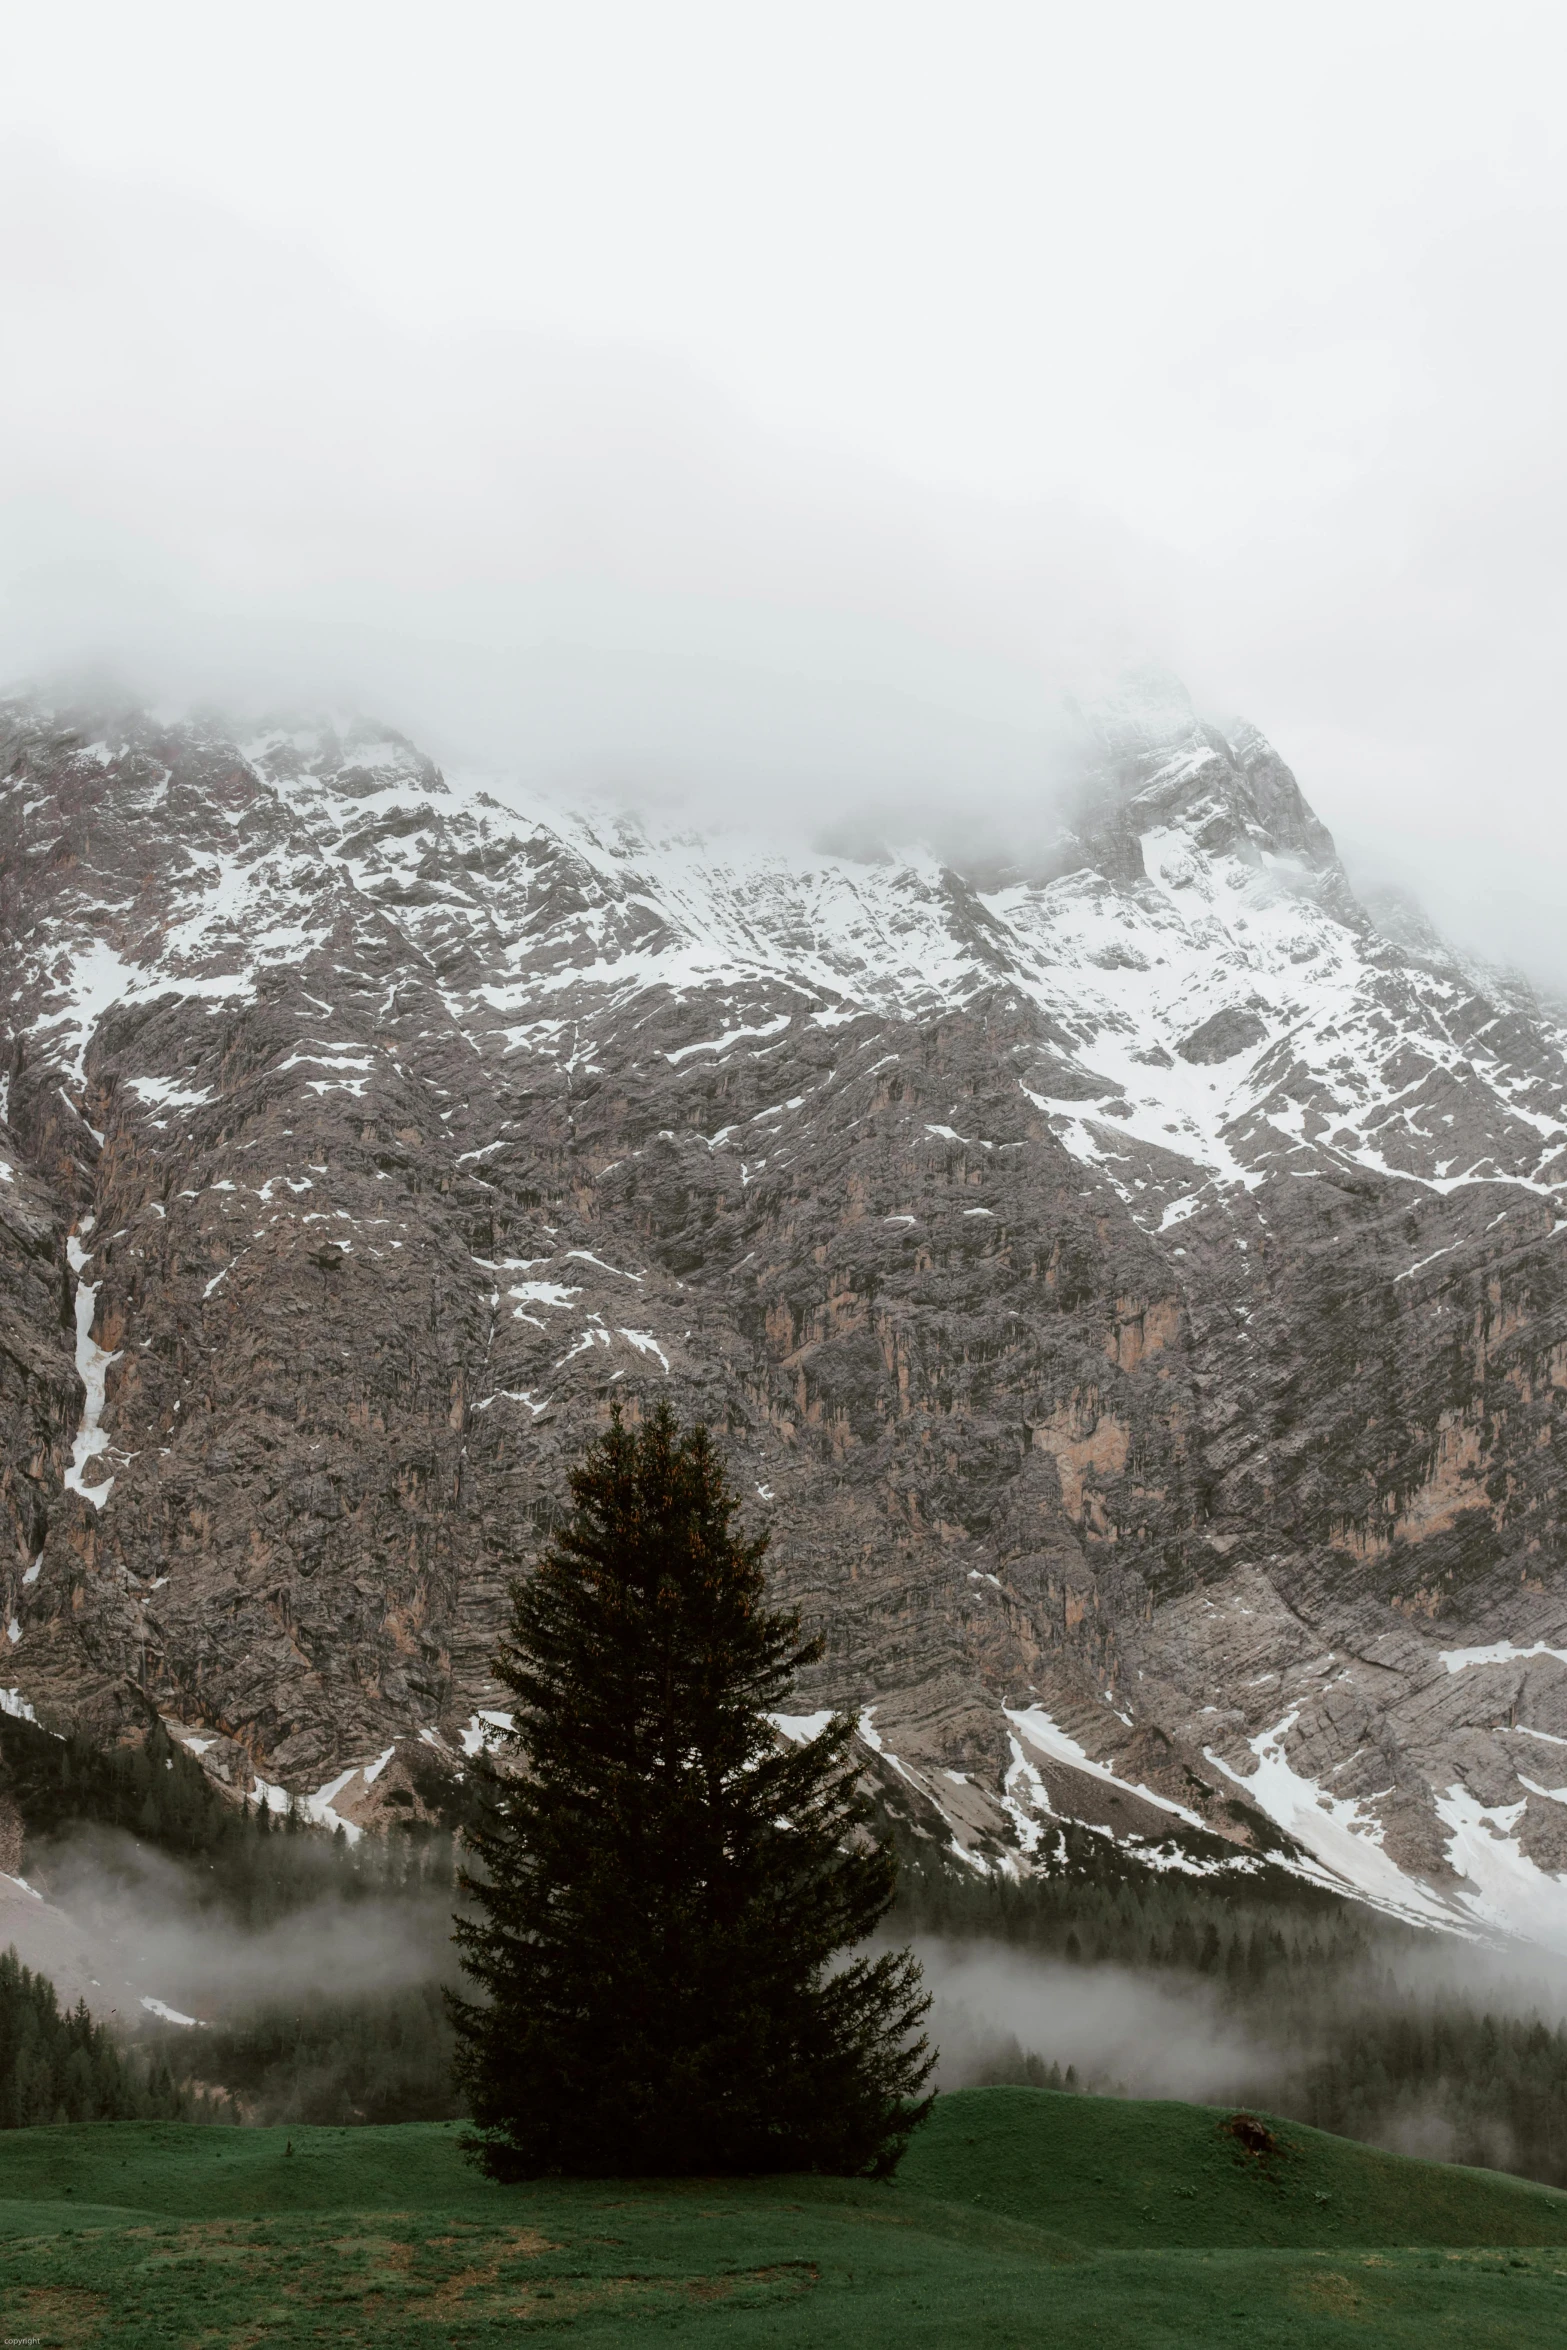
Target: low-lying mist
(153, 1925)
(290, 1978)
(1145, 2035)
(282, 1979)
(1426, 2045)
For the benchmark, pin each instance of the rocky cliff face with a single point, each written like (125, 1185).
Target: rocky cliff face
(1130, 1289)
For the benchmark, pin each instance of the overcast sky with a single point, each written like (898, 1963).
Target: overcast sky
(779, 408)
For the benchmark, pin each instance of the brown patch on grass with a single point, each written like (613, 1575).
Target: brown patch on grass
(230, 2284)
(1331, 2294)
(526, 2243)
(801, 2274)
(56, 2313)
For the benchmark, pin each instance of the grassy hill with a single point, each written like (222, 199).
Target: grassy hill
(1124, 2175)
(1020, 2218)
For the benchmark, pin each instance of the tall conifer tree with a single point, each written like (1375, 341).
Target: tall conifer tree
(666, 1896)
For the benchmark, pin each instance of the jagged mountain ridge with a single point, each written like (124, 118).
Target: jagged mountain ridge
(1129, 1288)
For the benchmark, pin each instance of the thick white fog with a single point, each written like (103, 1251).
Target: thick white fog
(1171, 2033)
(1138, 2034)
(129, 1922)
(774, 413)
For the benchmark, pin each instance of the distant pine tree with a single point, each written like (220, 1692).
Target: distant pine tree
(666, 1898)
(57, 2065)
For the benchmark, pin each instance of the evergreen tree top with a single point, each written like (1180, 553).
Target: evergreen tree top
(646, 1618)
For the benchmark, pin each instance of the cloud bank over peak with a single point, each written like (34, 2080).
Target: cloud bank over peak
(675, 418)
(572, 557)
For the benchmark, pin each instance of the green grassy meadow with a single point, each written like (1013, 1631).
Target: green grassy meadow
(1020, 2217)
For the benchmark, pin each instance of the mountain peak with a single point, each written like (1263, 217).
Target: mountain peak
(1146, 706)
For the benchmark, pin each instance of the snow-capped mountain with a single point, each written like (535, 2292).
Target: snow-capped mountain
(1129, 1286)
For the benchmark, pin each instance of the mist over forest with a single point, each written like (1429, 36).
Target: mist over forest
(314, 1970)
